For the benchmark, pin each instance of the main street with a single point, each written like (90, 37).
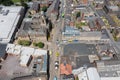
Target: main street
(54, 48)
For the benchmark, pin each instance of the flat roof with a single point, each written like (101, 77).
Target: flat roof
(8, 22)
(24, 60)
(27, 51)
(39, 52)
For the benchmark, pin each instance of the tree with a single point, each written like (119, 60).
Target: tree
(40, 44)
(23, 3)
(6, 2)
(29, 16)
(78, 14)
(44, 8)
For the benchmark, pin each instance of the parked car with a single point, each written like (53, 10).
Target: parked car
(56, 65)
(56, 62)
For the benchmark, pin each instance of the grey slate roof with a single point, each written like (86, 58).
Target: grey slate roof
(35, 6)
(2, 49)
(109, 68)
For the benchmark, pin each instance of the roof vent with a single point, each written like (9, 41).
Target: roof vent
(5, 12)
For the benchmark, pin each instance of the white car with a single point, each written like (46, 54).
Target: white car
(56, 67)
(56, 64)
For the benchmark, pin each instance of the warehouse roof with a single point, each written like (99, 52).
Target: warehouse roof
(9, 17)
(89, 74)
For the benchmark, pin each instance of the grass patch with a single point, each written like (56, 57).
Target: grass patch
(24, 42)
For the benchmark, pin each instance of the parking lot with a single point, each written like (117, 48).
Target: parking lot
(76, 54)
(11, 68)
(79, 49)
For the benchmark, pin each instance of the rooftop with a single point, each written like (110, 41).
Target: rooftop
(33, 26)
(9, 17)
(2, 50)
(109, 68)
(89, 74)
(23, 59)
(35, 6)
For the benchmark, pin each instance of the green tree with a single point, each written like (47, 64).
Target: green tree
(23, 3)
(44, 8)
(40, 45)
(78, 14)
(6, 2)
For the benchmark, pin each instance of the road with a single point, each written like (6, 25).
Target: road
(57, 37)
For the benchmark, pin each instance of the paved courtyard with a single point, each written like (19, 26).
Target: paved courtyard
(11, 68)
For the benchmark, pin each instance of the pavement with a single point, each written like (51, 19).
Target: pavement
(11, 68)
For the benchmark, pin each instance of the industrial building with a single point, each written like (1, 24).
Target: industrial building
(10, 18)
(25, 53)
(89, 74)
(26, 61)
